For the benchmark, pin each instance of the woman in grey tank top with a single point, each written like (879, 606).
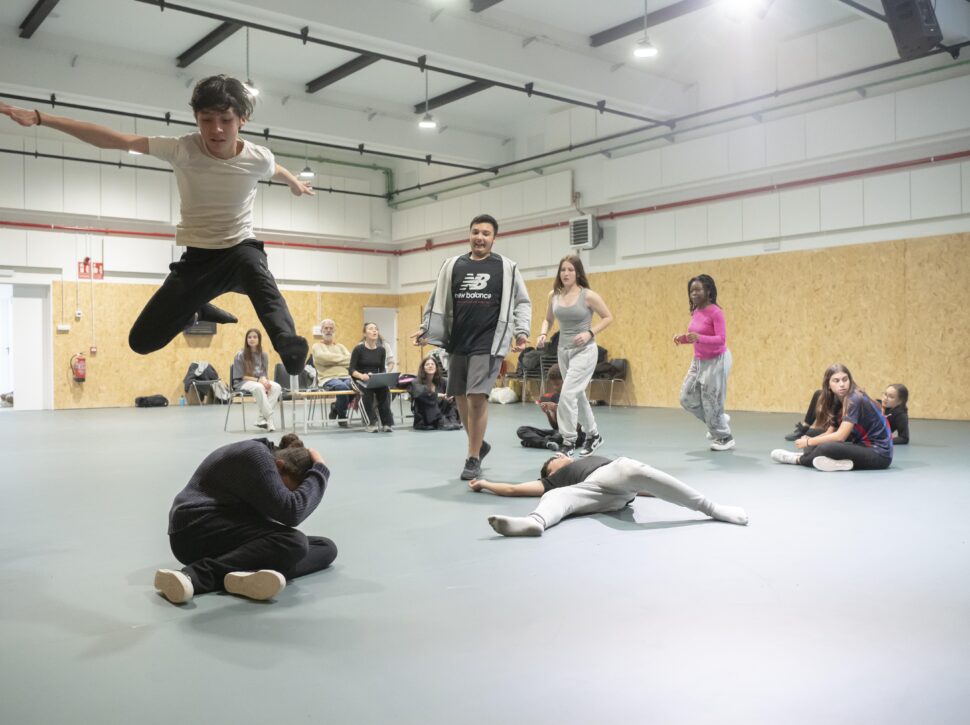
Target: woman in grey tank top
(573, 303)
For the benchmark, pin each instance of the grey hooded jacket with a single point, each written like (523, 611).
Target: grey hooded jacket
(515, 311)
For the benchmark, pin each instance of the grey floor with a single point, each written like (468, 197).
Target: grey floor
(846, 600)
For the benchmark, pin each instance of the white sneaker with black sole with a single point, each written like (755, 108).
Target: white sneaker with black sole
(591, 443)
(259, 585)
(824, 463)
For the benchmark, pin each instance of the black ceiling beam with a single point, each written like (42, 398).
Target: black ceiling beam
(206, 44)
(864, 10)
(527, 88)
(479, 5)
(657, 17)
(341, 72)
(452, 96)
(37, 15)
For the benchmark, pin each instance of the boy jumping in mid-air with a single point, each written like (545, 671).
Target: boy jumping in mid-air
(217, 173)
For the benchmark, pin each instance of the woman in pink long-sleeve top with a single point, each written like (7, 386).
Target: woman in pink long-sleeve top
(705, 386)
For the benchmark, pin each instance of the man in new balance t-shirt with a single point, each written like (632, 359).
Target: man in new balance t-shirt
(478, 306)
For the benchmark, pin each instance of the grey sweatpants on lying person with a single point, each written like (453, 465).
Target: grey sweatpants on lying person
(613, 486)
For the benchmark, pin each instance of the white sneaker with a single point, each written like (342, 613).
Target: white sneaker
(259, 585)
(724, 444)
(824, 463)
(780, 455)
(174, 586)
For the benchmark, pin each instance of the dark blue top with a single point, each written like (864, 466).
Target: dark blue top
(242, 479)
(869, 426)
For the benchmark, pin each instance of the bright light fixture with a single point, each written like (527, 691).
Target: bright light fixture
(251, 88)
(307, 172)
(645, 49)
(427, 121)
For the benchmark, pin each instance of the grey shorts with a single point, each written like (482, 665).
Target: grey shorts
(472, 374)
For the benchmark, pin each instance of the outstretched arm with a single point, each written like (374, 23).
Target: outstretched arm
(528, 488)
(298, 187)
(100, 136)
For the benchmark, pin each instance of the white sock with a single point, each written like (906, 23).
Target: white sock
(730, 514)
(516, 525)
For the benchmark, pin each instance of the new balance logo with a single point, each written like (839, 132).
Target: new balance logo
(474, 282)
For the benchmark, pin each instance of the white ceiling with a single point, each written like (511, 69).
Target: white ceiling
(122, 52)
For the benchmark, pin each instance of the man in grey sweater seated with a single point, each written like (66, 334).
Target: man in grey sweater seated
(595, 484)
(232, 525)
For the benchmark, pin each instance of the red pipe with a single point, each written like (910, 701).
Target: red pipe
(428, 246)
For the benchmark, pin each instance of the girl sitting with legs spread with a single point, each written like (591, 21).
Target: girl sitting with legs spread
(856, 435)
(433, 408)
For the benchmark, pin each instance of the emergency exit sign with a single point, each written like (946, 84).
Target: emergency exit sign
(90, 270)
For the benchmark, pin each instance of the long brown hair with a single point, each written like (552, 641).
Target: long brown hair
(829, 405)
(249, 354)
(423, 376)
(577, 263)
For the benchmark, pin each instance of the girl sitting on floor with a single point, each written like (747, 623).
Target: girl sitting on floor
(856, 435)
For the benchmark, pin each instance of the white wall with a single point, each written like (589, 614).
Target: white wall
(31, 347)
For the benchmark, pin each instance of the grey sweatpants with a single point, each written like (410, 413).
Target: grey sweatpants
(613, 486)
(577, 365)
(704, 391)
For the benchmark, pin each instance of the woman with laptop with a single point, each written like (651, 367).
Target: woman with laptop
(368, 371)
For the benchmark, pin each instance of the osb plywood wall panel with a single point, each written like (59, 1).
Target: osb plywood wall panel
(892, 312)
(116, 375)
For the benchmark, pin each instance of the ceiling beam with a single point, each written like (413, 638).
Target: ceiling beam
(653, 19)
(479, 5)
(452, 96)
(341, 72)
(36, 16)
(209, 42)
(864, 10)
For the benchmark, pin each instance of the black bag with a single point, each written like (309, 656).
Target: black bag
(151, 401)
(532, 437)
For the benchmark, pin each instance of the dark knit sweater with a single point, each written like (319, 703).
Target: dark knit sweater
(241, 479)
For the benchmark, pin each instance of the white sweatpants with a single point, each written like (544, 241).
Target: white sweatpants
(613, 486)
(577, 365)
(266, 403)
(704, 391)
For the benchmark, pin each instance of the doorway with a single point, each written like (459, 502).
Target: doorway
(25, 347)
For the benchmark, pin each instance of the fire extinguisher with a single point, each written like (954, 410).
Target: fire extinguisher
(79, 367)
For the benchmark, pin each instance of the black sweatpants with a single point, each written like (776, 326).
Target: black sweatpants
(377, 405)
(218, 545)
(863, 458)
(200, 276)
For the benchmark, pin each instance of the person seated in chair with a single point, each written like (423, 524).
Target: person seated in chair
(368, 358)
(332, 361)
(433, 408)
(250, 369)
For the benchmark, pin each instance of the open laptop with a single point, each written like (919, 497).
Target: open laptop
(380, 380)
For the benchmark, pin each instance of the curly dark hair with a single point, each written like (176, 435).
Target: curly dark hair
(220, 93)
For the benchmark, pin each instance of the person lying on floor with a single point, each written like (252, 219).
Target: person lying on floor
(595, 484)
(232, 525)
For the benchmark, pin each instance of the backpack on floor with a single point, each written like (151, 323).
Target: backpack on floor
(151, 401)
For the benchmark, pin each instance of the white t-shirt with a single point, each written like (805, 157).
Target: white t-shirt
(216, 194)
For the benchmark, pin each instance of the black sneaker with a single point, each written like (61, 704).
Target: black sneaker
(483, 451)
(567, 449)
(591, 444)
(799, 431)
(472, 469)
(210, 313)
(293, 352)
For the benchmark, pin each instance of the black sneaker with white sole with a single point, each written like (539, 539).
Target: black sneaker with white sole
(472, 469)
(567, 449)
(591, 444)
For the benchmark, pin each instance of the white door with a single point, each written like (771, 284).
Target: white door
(30, 346)
(386, 319)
